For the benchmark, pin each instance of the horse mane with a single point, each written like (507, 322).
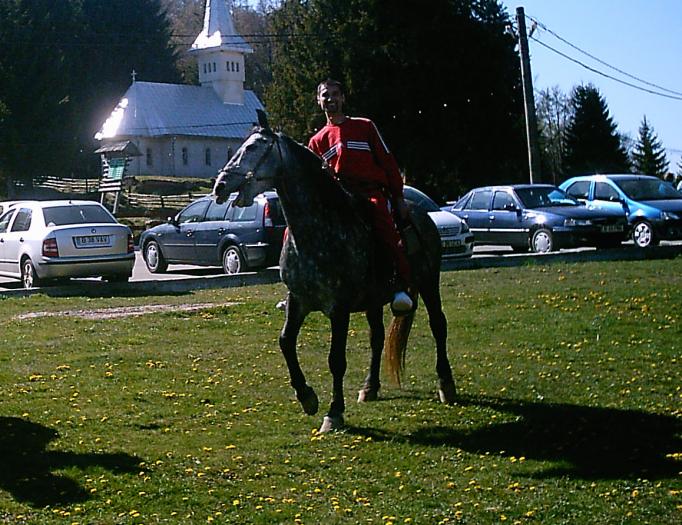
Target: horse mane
(330, 188)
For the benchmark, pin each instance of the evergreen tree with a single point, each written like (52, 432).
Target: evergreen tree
(648, 155)
(442, 83)
(63, 67)
(592, 143)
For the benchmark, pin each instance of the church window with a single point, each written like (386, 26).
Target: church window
(185, 157)
(207, 156)
(237, 67)
(204, 68)
(214, 68)
(150, 158)
(232, 66)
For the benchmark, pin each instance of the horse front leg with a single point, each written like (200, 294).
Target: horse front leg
(287, 343)
(337, 365)
(372, 384)
(447, 391)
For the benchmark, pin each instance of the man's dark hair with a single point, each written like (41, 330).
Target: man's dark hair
(329, 82)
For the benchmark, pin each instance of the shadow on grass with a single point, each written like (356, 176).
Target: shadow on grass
(584, 442)
(27, 466)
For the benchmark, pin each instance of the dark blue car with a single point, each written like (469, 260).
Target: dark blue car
(539, 217)
(653, 206)
(206, 233)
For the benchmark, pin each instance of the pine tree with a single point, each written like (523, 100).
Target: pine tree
(593, 144)
(648, 155)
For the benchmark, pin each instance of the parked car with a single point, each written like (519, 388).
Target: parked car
(42, 240)
(6, 205)
(455, 237)
(541, 217)
(653, 206)
(206, 233)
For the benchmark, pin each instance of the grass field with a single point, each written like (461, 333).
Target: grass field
(570, 408)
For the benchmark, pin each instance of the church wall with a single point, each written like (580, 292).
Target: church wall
(181, 156)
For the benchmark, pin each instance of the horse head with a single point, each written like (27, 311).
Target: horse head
(253, 168)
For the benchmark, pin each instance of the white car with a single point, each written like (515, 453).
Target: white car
(43, 240)
(456, 239)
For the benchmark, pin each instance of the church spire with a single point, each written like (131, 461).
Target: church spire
(220, 53)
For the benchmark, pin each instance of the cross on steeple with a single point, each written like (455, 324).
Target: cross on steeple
(134, 75)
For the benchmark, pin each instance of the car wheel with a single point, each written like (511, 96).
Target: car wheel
(29, 278)
(153, 258)
(643, 235)
(233, 262)
(542, 241)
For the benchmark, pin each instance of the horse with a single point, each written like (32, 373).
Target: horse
(330, 263)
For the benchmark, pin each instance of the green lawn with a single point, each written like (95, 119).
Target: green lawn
(570, 408)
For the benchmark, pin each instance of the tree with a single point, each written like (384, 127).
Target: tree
(63, 66)
(593, 144)
(443, 84)
(553, 114)
(648, 154)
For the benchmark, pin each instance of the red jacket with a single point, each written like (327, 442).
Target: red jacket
(356, 151)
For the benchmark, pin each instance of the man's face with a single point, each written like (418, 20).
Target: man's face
(330, 99)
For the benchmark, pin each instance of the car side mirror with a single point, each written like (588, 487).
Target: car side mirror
(172, 221)
(510, 206)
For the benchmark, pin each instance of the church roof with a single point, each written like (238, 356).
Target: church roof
(151, 109)
(218, 30)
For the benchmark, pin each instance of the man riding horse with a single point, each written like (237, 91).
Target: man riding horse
(356, 154)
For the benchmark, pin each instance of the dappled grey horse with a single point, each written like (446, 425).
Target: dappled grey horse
(330, 263)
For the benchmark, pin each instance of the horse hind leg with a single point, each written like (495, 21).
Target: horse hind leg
(447, 391)
(372, 384)
(287, 343)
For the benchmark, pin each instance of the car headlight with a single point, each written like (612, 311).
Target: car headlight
(577, 222)
(669, 216)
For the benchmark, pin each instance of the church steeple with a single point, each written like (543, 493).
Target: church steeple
(220, 53)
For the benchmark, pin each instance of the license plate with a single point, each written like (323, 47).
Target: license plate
(612, 228)
(92, 241)
(451, 243)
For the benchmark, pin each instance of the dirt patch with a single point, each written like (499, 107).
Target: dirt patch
(123, 311)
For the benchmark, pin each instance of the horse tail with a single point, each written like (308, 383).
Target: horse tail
(395, 346)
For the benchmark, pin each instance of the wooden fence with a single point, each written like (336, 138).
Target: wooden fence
(128, 198)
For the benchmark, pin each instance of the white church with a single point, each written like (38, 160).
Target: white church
(189, 131)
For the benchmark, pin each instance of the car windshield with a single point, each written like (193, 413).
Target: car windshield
(648, 189)
(420, 199)
(80, 214)
(545, 196)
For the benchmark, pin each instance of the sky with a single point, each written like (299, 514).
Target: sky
(641, 38)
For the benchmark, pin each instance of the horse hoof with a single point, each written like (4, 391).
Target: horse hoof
(330, 424)
(309, 401)
(368, 394)
(447, 394)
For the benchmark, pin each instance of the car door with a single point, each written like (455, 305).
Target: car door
(179, 240)
(476, 212)
(209, 232)
(15, 239)
(605, 197)
(5, 221)
(506, 226)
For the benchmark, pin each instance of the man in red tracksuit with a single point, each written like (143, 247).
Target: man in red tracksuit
(354, 150)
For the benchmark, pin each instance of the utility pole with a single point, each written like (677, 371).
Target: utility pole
(528, 99)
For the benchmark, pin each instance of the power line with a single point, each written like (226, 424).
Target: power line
(606, 75)
(544, 27)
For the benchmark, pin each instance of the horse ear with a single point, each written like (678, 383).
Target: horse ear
(262, 119)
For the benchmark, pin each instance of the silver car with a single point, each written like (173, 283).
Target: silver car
(43, 240)
(455, 238)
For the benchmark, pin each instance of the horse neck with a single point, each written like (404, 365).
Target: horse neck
(310, 198)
